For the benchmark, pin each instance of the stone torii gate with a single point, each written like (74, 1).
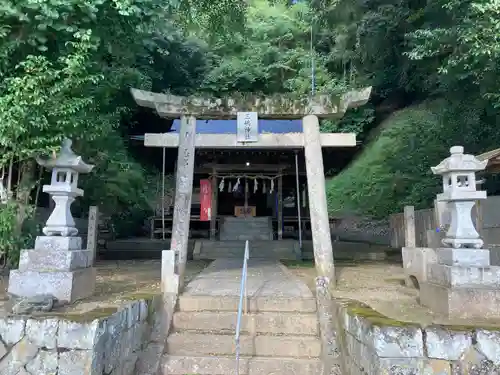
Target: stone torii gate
(278, 107)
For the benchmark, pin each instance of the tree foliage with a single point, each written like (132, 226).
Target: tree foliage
(65, 71)
(272, 54)
(465, 43)
(394, 169)
(445, 53)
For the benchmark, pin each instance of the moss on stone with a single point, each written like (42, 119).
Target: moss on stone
(98, 313)
(466, 328)
(355, 308)
(136, 296)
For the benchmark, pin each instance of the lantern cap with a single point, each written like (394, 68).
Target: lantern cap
(66, 159)
(459, 162)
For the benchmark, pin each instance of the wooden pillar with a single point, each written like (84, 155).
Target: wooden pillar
(213, 213)
(183, 193)
(322, 241)
(409, 223)
(280, 207)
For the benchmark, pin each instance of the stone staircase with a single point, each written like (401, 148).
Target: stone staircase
(246, 228)
(278, 337)
(284, 249)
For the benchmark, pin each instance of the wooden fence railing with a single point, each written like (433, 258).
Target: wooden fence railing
(424, 220)
(486, 215)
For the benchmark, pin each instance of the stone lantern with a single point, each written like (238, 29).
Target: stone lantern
(63, 190)
(58, 266)
(459, 191)
(460, 281)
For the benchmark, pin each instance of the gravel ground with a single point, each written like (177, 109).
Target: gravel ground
(117, 281)
(381, 286)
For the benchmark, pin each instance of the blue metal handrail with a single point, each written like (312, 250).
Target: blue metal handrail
(242, 305)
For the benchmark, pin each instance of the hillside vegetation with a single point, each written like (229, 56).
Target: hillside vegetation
(393, 169)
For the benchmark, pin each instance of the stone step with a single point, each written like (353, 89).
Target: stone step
(244, 235)
(238, 236)
(245, 228)
(259, 304)
(266, 322)
(221, 254)
(255, 219)
(187, 343)
(209, 365)
(247, 224)
(260, 253)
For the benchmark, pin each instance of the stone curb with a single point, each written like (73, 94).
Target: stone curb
(104, 340)
(379, 345)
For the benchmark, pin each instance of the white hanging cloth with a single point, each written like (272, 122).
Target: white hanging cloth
(221, 186)
(229, 188)
(255, 186)
(246, 186)
(272, 186)
(236, 185)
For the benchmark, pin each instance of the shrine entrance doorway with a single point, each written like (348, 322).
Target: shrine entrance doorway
(258, 184)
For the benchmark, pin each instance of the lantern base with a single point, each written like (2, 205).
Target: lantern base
(66, 286)
(461, 302)
(58, 266)
(462, 243)
(462, 284)
(463, 257)
(62, 230)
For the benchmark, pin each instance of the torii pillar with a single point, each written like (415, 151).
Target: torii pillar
(278, 107)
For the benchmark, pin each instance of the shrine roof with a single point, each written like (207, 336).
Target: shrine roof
(229, 126)
(493, 158)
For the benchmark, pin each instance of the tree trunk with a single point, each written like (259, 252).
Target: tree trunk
(23, 192)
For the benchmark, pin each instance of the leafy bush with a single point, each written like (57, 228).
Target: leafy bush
(13, 238)
(394, 169)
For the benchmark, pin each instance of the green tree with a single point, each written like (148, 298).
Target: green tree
(270, 55)
(66, 67)
(465, 42)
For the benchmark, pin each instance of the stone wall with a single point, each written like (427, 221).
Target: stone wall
(373, 344)
(362, 229)
(102, 341)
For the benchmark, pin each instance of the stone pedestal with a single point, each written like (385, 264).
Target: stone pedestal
(462, 284)
(57, 266)
(415, 263)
